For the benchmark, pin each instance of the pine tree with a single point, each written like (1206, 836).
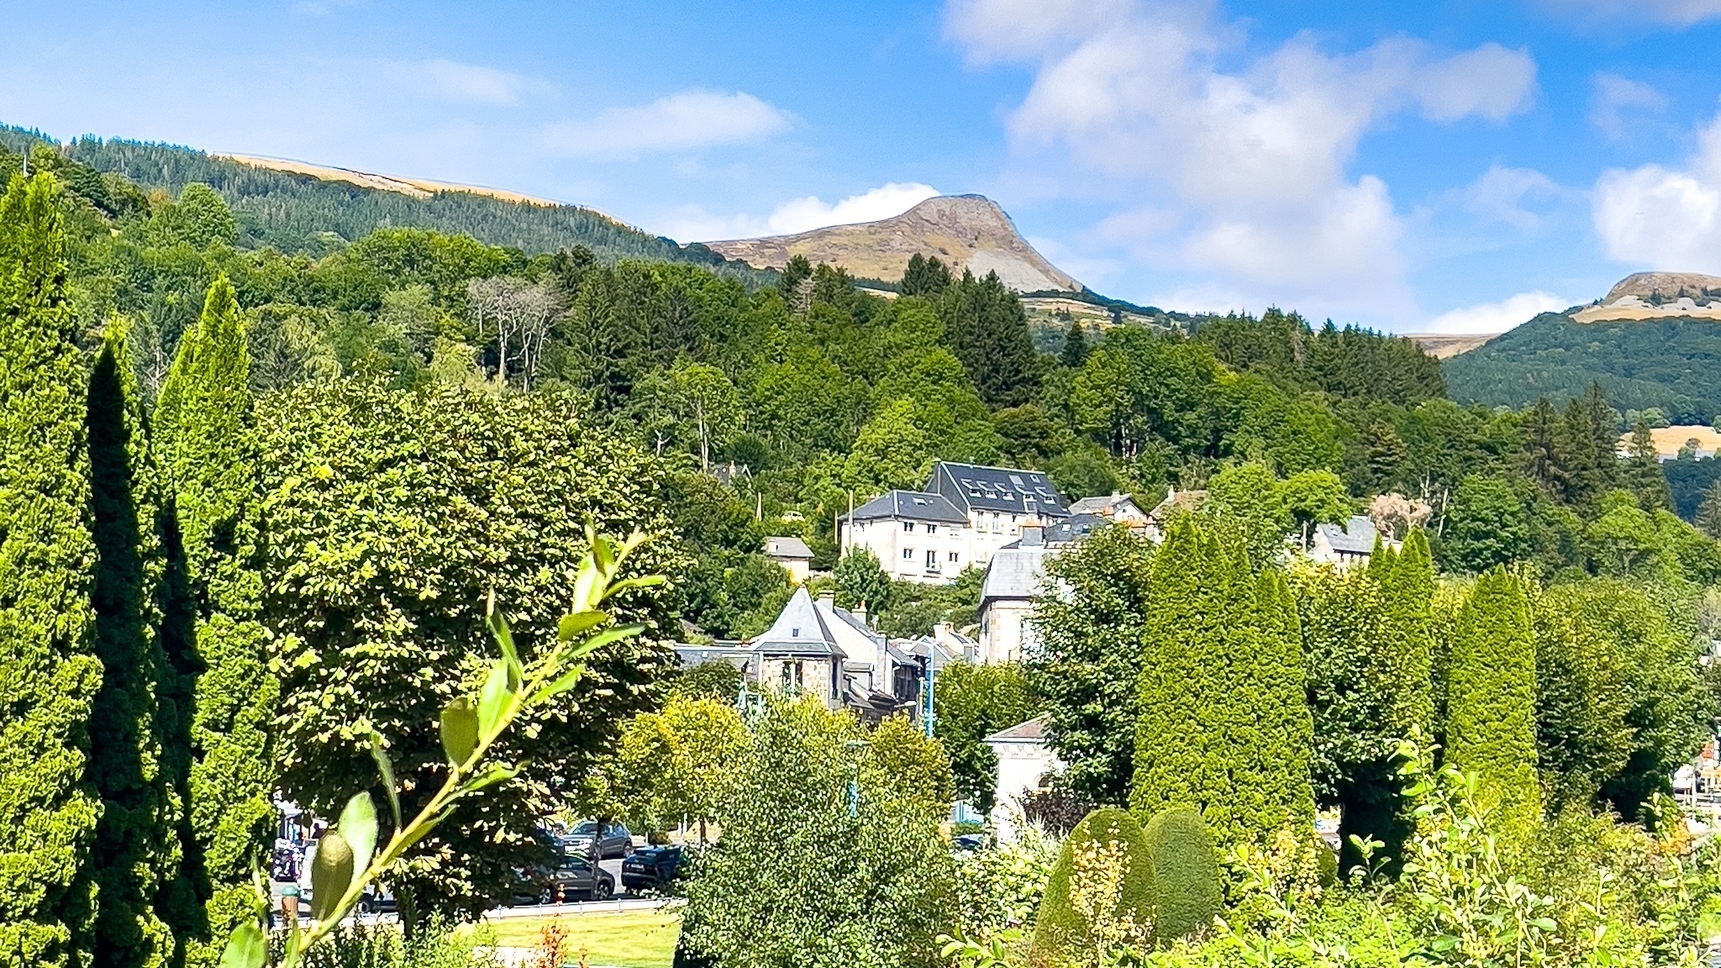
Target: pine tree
(1643, 473)
(136, 846)
(206, 440)
(1386, 453)
(1709, 511)
(1224, 725)
(1541, 442)
(987, 329)
(49, 674)
(1583, 479)
(1491, 700)
(1075, 351)
(925, 276)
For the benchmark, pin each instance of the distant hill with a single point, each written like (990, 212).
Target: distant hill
(293, 206)
(1653, 341)
(966, 231)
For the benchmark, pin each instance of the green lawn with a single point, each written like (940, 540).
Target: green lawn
(625, 939)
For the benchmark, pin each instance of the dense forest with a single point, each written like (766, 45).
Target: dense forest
(298, 214)
(1670, 364)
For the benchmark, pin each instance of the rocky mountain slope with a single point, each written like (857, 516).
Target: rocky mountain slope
(1657, 295)
(967, 231)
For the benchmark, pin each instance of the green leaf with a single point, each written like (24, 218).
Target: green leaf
(604, 638)
(563, 683)
(492, 775)
(505, 639)
(643, 581)
(493, 698)
(246, 948)
(603, 555)
(386, 768)
(358, 826)
(587, 587)
(331, 874)
(573, 626)
(459, 730)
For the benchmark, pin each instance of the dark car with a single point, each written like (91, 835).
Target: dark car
(377, 900)
(569, 878)
(651, 867)
(614, 842)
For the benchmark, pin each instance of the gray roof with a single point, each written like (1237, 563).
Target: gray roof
(972, 487)
(1015, 573)
(913, 505)
(1076, 527)
(1032, 731)
(798, 630)
(694, 655)
(787, 547)
(1099, 505)
(1356, 537)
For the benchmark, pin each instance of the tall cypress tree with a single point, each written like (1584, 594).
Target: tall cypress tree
(1491, 700)
(49, 674)
(207, 445)
(136, 850)
(1643, 473)
(1224, 724)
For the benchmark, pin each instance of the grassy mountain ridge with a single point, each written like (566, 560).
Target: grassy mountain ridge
(1672, 364)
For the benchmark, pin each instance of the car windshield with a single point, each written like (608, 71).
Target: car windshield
(587, 829)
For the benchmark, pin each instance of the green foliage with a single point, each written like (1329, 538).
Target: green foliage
(861, 581)
(972, 702)
(798, 879)
(205, 434)
(1491, 699)
(672, 765)
(393, 516)
(715, 679)
(1350, 362)
(900, 748)
(988, 330)
(1487, 525)
(1101, 894)
(1000, 886)
(925, 276)
(48, 657)
(136, 855)
(1223, 723)
(1186, 871)
(1641, 364)
(1086, 659)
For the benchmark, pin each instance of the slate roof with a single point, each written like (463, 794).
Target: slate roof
(787, 547)
(1100, 505)
(1015, 573)
(1356, 537)
(1076, 527)
(975, 488)
(798, 630)
(1032, 731)
(914, 505)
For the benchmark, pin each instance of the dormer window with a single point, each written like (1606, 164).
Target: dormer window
(795, 632)
(908, 525)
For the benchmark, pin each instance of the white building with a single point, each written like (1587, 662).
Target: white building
(963, 517)
(1014, 578)
(1025, 762)
(793, 554)
(1348, 545)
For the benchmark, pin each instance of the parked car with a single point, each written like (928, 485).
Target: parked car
(376, 900)
(614, 841)
(575, 878)
(651, 867)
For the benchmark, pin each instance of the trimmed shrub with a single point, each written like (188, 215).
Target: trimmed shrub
(1186, 871)
(1491, 700)
(1101, 894)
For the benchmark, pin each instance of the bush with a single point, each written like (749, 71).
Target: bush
(1186, 872)
(1101, 894)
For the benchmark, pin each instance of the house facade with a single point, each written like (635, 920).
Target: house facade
(1014, 578)
(964, 516)
(1025, 760)
(1348, 545)
(793, 554)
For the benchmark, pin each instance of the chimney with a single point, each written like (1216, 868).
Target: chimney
(1033, 536)
(827, 599)
(859, 612)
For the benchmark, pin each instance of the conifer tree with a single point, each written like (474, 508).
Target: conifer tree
(49, 674)
(987, 329)
(1541, 443)
(925, 276)
(1491, 699)
(1224, 724)
(1643, 473)
(1709, 511)
(1075, 351)
(136, 847)
(205, 438)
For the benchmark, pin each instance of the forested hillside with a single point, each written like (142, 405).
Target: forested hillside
(1670, 364)
(304, 214)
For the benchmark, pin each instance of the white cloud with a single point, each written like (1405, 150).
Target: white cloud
(1664, 218)
(1679, 13)
(800, 214)
(1244, 167)
(679, 122)
(1502, 195)
(1495, 317)
(468, 82)
(1614, 96)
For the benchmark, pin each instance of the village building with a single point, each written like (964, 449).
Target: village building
(1347, 545)
(1026, 763)
(793, 554)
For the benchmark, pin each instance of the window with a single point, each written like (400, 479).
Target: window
(996, 526)
(955, 557)
(908, 554)
(932, 529)
(931, 559)
(908, 525)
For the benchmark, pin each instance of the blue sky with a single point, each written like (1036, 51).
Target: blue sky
(1438, 165)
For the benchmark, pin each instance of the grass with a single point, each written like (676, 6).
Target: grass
(624, 939)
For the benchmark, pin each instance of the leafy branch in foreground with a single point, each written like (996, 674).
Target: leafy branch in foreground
(347, 859)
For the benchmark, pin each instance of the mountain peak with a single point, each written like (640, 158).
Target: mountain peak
(1657, 295)
(964, 231)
